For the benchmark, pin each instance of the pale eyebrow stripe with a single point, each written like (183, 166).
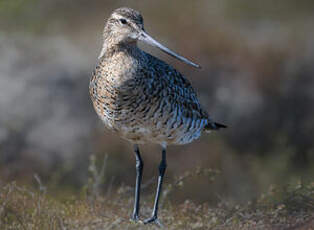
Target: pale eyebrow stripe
(117, 16)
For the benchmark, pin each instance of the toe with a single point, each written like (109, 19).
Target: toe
(135, 218)
(154, 220)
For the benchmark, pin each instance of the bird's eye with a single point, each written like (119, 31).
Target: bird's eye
(123, 21)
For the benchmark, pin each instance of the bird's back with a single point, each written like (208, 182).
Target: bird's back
(146, 100)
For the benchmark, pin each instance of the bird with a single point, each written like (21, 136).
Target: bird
(142, 98)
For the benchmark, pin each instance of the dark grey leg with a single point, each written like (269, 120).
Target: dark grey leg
(139, 173)
(162, 170)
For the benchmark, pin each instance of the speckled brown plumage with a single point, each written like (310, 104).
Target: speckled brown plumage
(140, 97)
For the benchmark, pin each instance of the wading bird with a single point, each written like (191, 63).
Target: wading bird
(143, 99)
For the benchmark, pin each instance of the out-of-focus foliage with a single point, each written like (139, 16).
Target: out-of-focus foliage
(257, 77)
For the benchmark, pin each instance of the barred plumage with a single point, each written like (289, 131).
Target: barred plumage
(146, 100)
(140, 97)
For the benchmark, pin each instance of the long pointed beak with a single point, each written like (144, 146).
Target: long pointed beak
(149, 40)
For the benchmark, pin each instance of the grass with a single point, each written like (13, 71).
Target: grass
(24, 207)
(290, 207)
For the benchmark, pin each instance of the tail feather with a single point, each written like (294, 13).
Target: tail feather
(214, 126)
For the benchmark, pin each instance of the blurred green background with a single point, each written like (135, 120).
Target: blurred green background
(257, 77)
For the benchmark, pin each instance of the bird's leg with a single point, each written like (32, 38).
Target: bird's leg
(139, 173)
(162, 169)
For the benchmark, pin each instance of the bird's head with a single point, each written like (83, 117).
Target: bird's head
(125, 26)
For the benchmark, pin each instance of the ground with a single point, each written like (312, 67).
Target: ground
(28, 208)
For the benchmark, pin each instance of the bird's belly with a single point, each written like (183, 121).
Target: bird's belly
(152, 130)
(145, 121)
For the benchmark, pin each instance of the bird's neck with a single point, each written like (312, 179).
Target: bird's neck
(109, 48)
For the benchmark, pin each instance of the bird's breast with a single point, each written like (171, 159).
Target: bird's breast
(114, 90)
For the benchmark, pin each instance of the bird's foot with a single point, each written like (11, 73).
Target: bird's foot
(154, 220)
(135, 218)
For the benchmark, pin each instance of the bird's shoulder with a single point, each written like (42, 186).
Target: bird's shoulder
(164, 73)
(175, 87)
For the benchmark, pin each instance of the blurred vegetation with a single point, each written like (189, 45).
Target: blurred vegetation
(257, 77)
(279, 208)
